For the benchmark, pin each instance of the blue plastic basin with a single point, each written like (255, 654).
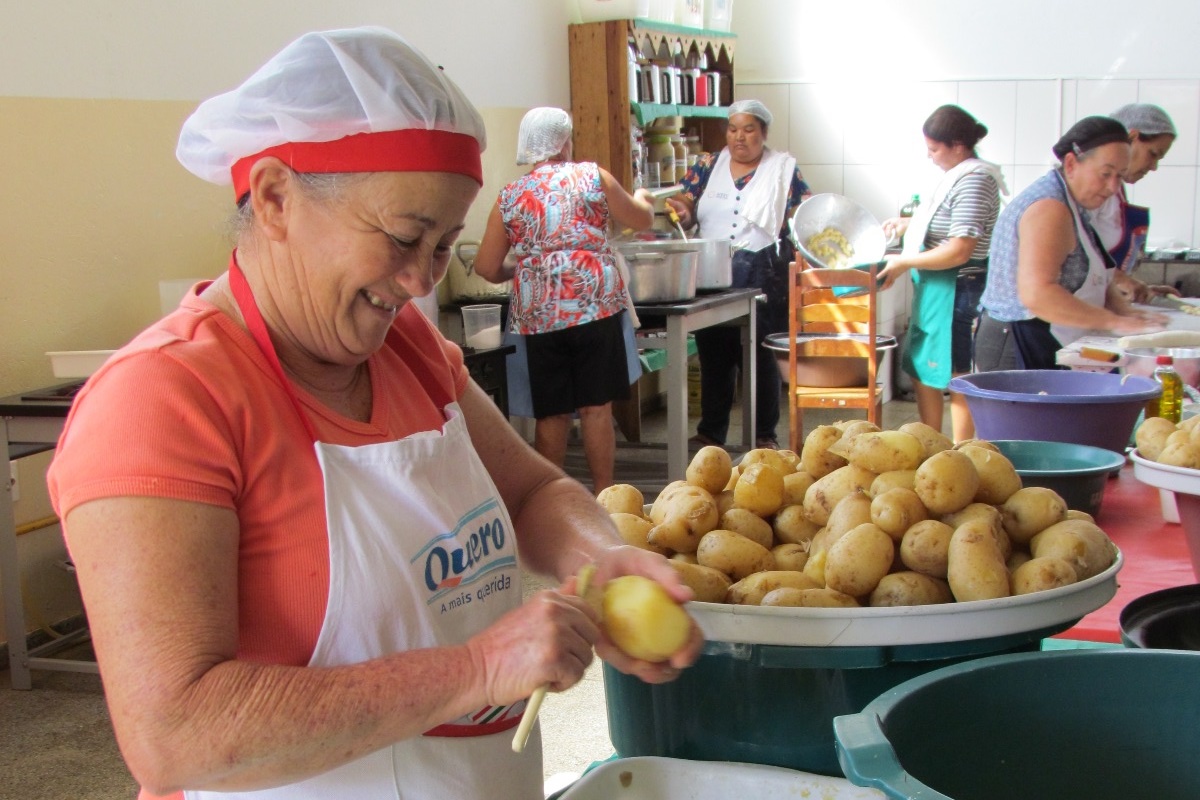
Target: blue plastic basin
(1078, 472)
(1092, 408)
(1109, 724)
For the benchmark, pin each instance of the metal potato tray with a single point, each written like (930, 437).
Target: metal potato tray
(906, 625)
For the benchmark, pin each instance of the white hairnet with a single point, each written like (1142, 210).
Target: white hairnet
(325, 87)
(544, 132)
(754, 108)
(1147, 119)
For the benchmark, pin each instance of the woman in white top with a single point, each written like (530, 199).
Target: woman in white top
(745, 193)
(945, 245)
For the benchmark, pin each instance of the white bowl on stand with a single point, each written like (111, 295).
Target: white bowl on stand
(1185, 485)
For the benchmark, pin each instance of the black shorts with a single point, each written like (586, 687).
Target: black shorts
(584, 365)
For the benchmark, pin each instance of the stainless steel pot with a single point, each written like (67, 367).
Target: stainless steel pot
(715, 268)
(660, 272)
(714, 265)
(1143, 360)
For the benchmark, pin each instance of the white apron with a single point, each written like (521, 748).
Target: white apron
(723, 211)
(421, 554)
(1095, 287)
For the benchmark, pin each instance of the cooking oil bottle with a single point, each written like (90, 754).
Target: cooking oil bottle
(910, 208)
(1170, 404)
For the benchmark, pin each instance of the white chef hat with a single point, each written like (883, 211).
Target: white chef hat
(1145, 118)
(353, 100)
(754, 108)
(543, 133)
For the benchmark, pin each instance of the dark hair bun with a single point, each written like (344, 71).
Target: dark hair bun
(1088, 134)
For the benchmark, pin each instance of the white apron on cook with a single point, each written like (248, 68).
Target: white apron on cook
(421, 554)
(1094, 290)
(721, 210)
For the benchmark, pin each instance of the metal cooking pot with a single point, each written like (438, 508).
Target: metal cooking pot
(660, 272)
(714, 265)
(714, 269)
(1143, 360)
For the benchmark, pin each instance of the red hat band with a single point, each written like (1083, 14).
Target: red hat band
(409, 150)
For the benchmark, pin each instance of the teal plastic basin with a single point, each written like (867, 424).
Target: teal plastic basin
(773, 704)
(1078, 472)
(1097, 724)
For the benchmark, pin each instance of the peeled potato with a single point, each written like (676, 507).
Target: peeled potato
(851, 511)
(895, 479)
(792, 526)
(1078, 542)
(815, 458)
(621, 498)
(1038, 574)
(909, 589)
(809, 598)
(853, 427)
(975, 567)
(881, 451)
(710, 469)
(946, 482)
(759, 489)
(635, 530)
(708, 584)
(998, 479)
(826, 491)
(750, 590)
(733, 554)
(765, 455)
(925, 547)
(933, 440)
(643, 620)
(748, 524)
(674, 534)
(897, 510)
(1030, 510)
(795, 484)
(858, 560)
(1151, 436)
(790, 556)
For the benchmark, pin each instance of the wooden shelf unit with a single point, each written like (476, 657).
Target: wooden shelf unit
(601, 107)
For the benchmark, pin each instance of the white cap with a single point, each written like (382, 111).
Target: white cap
(754, 108)
(544, 132)
(353, 100)
(1145, 118)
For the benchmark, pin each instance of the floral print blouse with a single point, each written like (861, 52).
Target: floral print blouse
(556, 218)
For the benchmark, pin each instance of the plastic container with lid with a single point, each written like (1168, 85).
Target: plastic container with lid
(681, 156)
(602, 10)
(660, 151)
(718, 15)
(689, 13)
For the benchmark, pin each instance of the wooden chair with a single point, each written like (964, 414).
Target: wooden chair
(831, 301)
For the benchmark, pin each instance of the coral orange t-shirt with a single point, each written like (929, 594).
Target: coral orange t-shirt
(192, 410)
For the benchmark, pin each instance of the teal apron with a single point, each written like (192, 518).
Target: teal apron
(928, 344)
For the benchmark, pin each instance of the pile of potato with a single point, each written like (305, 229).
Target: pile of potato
(1161, 440)
(862, 517)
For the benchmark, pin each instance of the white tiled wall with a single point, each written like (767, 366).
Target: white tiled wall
(863, 139)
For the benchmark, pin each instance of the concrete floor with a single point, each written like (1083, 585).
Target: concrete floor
(56, 740)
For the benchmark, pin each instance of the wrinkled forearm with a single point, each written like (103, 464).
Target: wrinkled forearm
(249, 726)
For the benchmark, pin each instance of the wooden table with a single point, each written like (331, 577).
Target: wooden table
(671, 323)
